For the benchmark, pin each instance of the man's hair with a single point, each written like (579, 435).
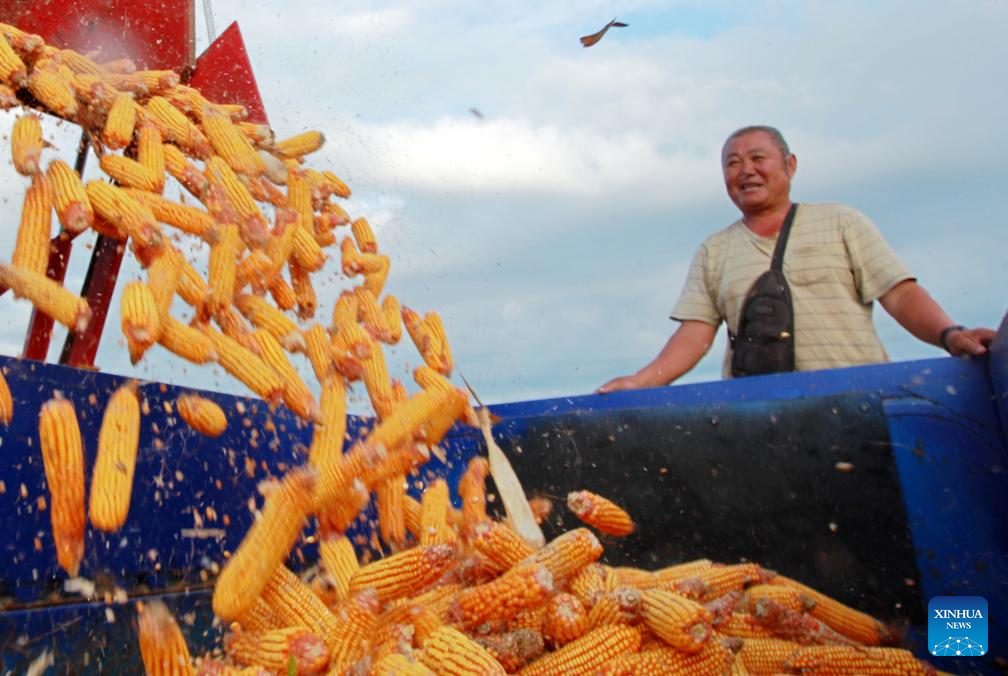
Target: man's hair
(773, 132)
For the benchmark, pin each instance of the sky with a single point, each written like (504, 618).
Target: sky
(552, 231)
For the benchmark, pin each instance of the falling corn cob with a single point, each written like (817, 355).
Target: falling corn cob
(522, 587)
(187, 342)
(186, 218)
(63, 458)
(69, 197)
(26, 144)
(266, 544)
(299, 145)
(31, 249)
(404, 573)
(12, 68)
(246, 366)
(53, 91)
(6, 401)
(449, 651)
(47, 296)
(112, 483)
(203, 415)
(389, 496)
(339, 559)
(295, 604)
(119, 124)
(178, 127)
(600, 513)
(150, 154)
(231, 144)
(352, 639)
(328, 435)
(296, 394)
(162, 645)
(289, 650)
(249, 218)
(266, 317)
(186, 173)
(223, 271)
(128, 216)
(130, 173)
(567, 554)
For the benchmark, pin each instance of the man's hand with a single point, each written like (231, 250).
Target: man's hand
(972, 342)
(621, 383)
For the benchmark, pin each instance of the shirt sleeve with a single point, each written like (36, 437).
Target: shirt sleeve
(876, 267)
(696, 301)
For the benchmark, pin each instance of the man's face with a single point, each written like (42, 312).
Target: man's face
(756, 173)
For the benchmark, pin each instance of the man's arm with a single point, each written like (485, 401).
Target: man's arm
(684, 349)
(916, 311)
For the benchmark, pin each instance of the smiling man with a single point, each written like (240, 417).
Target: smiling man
(835, 263)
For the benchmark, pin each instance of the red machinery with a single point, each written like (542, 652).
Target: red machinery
(155, 36)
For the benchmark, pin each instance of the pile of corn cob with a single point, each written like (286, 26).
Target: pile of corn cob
(462, 593)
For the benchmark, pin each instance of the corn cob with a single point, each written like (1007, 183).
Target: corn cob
(389, 496)
(63, 457)
(317, 348)
(6, 401)
(565, 619)
(680, 622)
(53, 92)
(231, 144)
(186, 218)
(112, 483)
(532, 618)
(306, 252)
(375, 283)
(588, 585)
(364, 235)
(31, 250)
(787, 596)
(851, 623)
(428, 336)
(624, 605)
(499, 543)
(189, 101)
(795, 626)
(715, 659)
(405, 573)
(398, 664)
(144, 82)
(501, 599)
(246, 366)
(72, 204)
(434, 505)
(27, 45)
(130, 173)
(513, 649)
(334, 185)
(766, 656)
(26, 144)
(266, 317)
(448, 651)
(586, 654)
(178, 127)
(299, 145)
(722, 579)
(8, 99)
(249, 217)
(223, 269)
(304, 291)
(295, 604)
(203, 415)
(129, 218)
(682, 570)
(12, 68)
(266, 544)
(472, 491)
(600, 513)
(567, 554)
(357, 618)
(328, 435)
(163, 278)
(745, 626)
(187, 342)
(47, 296)
(162, 645)
(826, 660)
(340, 561)
(234, 111)
(296, 394)
(150, 154)
(289, 649)
(192, 288)
(256, 269)
(186, 173)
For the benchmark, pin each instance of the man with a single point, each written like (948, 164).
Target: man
(835, 262)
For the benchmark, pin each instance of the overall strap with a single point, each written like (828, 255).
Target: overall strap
(777, 262)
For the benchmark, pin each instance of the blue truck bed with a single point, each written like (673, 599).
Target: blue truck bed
(883, 486)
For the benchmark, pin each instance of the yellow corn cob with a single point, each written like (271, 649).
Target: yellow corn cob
(442, 355)
(352, 639)
(79, 63)
(223, 268)
(8, 99)
(144, 82)
(450, 652)
(364, 235)
(12, 68)
(499, 543)
(329, 217)
(246, 366)
(472, 491)
(371, 316)
(399, 664)
(434, 505)
(203, 415)
(714, 660)
(234, 111)
(63, 457)
(295, 604)
(336, 516)
(250, 218)
(28, 45)
(827, 660)
(588, 585)
(513, 649)
(260, 135)
(186, 218)
(47, 296)
(179, 129)
(31, 250)
(852, 623)
(53, 92)
(586, 654)
(265, 316)
(6, 401)
(304, 291)
(186, 173)
(427, 335)
(186, 342)
(256, 269)
(623, 576)
(130, 173)
(682, 570)
(296, 394)
(189, 101)
(389, 496)
(743, 626)
(345, 310)
(26, 144)
(162, 645)
(339, 559)
(129, 217)
(680, 622)
(393, 319)
(317, 348)
(600, 513)
(267, 543)
(228, 142)
(141, 319)
(567, 554)
(112, 483)
(375, 281)
(334, 185)
(565, 619)
(533, 619)
(69, 198)
(307, 252)
(405, 573)
(277, 649)
(150, 154)
(328, 436)
(766, 656)
(722, 579)
(376, 380)
(787, 596)
(118, 131)
(499, 600)
(299, 145)
(191, 288)
(164, 278)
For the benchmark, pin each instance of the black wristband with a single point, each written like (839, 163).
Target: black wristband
(943, 336)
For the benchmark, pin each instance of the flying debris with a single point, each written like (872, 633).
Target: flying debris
(476, 113)
(589, 40)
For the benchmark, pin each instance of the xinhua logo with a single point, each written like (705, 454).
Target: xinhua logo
(957, 626)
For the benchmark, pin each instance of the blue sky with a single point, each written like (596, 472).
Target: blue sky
(554, 233)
